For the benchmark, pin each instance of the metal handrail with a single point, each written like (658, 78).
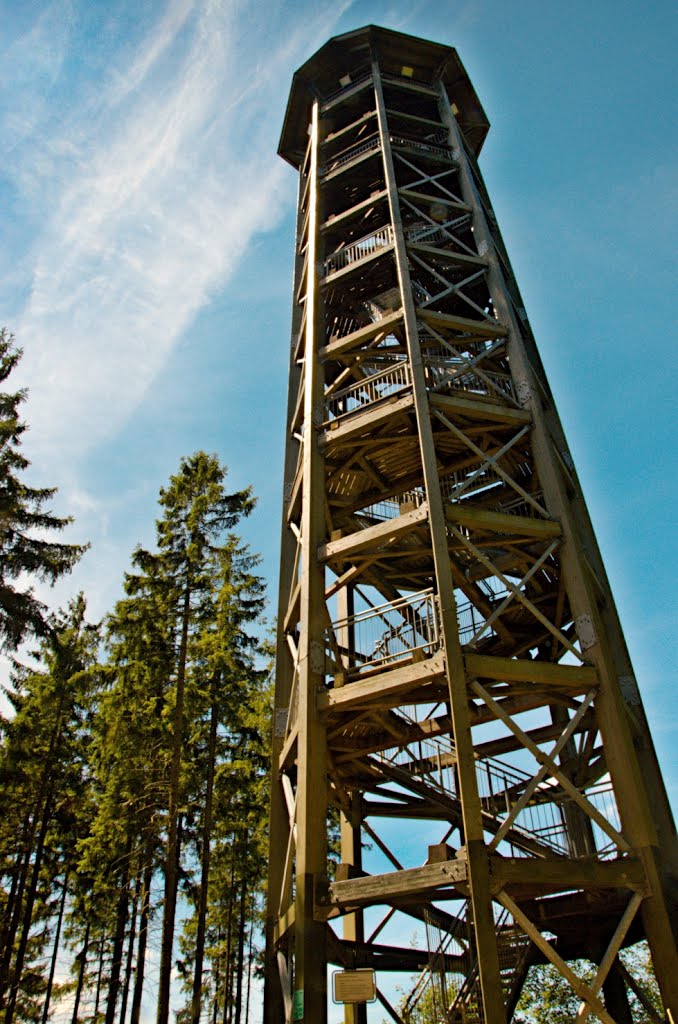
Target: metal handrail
(426, 147)
(359, 250)
(349, 154)
(390, 632)
(369, 390)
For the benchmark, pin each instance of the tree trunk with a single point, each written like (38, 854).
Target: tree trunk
(12, 915)
(249, 973)
(100, 972)
(241, 934)
(143, 934)
(130, 946)
(82, 957)
(43, 788)
(122, 911)
(205, 860)
(28, 911)
(171, 872)
(57, 937)
(13, 912)
(227, 981)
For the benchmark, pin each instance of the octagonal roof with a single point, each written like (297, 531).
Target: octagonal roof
(349, 54)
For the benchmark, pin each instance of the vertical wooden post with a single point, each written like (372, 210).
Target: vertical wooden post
(310, 980)
(476, 853)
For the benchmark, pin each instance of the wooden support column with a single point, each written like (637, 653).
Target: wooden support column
(351, 854)
(310, 953)
(476, 852)
(279, 826)
(631, 787)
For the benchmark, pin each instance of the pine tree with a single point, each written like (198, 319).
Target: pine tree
(23, 520)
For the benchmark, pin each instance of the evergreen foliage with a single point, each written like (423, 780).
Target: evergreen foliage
(45, 807)
(24, 519)
(134, 779)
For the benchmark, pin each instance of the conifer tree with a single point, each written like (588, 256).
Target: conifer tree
(24, 518)
(176, 584)
(228, 685)
(44, 809)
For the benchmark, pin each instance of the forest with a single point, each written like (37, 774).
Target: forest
(133, 759)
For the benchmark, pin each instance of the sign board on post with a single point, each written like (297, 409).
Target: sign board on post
(354, 986)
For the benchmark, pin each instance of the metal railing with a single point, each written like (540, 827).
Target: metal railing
(369, 390)
(341, 327)
(346, 156)
(429, 233)
(359, 250)
(500, 785)
(386, 634)
(393, 506)
(470, 620)
(452, 377)
(430, 148)
(541, 826)
(469, 481)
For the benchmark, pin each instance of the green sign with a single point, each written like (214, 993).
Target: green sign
(298, 1005)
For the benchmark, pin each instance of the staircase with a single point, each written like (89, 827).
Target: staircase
(456, 997)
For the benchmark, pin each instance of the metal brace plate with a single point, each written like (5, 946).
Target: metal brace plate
(585, 632)
(316, 656)
(280, 722)
(523, 392)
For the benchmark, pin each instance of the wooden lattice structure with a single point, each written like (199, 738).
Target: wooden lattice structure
(449, 654)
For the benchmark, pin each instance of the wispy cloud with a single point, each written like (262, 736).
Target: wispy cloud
(157, 180)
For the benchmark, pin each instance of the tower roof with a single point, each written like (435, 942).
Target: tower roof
(349, 54)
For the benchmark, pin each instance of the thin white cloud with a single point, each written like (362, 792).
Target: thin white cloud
(165, 31)
(157, 183)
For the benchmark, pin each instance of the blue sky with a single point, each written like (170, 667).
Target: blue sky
(146, 255)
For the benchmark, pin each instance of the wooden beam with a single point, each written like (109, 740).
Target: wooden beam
(506, 744)
(423, 197)
(572, 678)
(285, 922)
(461, 259)
(288, 748)
(561, 874)
(371, 200)
(338, 346)
(472, 408)
(549, 952)
(374, 536)
(368, 691)
(358, 264)
(345, 430)
(503, 522)
(333, 136)
(445, 321)
(382, 888)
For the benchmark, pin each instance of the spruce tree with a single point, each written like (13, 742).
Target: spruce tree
(44, 807)
(197, 512)
(24, 518)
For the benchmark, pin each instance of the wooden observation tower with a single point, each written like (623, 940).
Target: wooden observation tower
(460, 746)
